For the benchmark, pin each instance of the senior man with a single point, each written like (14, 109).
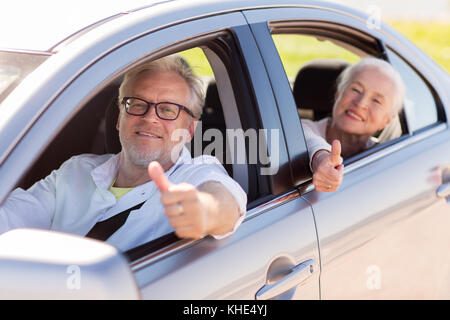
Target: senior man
(152, 187)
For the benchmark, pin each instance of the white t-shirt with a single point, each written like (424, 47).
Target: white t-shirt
(75, 197)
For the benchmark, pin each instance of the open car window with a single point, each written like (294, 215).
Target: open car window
(92, 130)
(313, 60)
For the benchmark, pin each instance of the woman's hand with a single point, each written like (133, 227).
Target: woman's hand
(328, 169)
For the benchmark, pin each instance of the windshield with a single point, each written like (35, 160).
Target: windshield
(14, 67)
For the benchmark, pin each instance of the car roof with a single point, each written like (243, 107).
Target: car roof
(43, 25)
(40, 25)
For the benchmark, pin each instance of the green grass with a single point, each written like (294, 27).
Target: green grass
(295, 50)
(432, 37)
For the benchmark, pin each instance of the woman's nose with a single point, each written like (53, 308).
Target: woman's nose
(362, 101)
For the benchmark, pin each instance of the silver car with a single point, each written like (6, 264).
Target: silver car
(382, 235)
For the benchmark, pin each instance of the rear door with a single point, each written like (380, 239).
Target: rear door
(384, 233)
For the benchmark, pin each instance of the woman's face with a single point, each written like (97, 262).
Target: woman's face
(365, 105)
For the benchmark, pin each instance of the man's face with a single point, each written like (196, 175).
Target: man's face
(365, 105)
(148, 138)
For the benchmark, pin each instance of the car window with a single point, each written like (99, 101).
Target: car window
(297, 51)
(420, 105)
(226, 103)
(312, 65)
(93, 117)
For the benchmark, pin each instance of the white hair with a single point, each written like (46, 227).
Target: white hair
(176, 64)
(346, 77)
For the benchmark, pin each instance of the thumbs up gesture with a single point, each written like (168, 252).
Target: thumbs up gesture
(183, 204)
(328, 169)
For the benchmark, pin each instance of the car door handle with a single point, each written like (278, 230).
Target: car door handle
(298, 275)
(443, 191)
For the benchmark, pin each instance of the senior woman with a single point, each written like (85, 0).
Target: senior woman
(369, 95)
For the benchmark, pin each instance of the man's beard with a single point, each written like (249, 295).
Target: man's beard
(141, 156)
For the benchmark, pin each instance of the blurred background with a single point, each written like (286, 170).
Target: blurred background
(425, 22)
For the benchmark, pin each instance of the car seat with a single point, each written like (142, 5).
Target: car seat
(315, 86)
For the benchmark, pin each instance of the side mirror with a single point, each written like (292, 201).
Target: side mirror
(38, 264)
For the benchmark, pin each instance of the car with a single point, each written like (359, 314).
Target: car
(382, 235)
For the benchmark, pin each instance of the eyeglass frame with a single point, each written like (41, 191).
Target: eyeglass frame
(149, 104)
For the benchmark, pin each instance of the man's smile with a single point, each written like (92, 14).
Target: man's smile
(148, 134)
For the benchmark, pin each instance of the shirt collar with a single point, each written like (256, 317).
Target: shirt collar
(104, 174)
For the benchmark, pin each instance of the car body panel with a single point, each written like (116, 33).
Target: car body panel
(381, 235)
(389, 242)
(237, 267)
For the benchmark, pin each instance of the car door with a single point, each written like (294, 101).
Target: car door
(383, 234)
(274, 253)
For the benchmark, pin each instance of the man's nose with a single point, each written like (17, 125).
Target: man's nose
(151, 114)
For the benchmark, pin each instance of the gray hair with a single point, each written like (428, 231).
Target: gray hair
(176, 64)
(346, 77)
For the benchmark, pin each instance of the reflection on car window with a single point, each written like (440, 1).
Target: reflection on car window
(14, 67)
(420, 105)
(8, 74)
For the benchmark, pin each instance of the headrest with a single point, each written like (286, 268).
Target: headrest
(212, 110)
(112, 141)
(315, 85)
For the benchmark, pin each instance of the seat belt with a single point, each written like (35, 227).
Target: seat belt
(102, 230)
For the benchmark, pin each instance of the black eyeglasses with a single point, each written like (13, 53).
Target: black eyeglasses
(164, 110)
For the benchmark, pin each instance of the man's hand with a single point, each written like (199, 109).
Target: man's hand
(327, 168)
(194, 213)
